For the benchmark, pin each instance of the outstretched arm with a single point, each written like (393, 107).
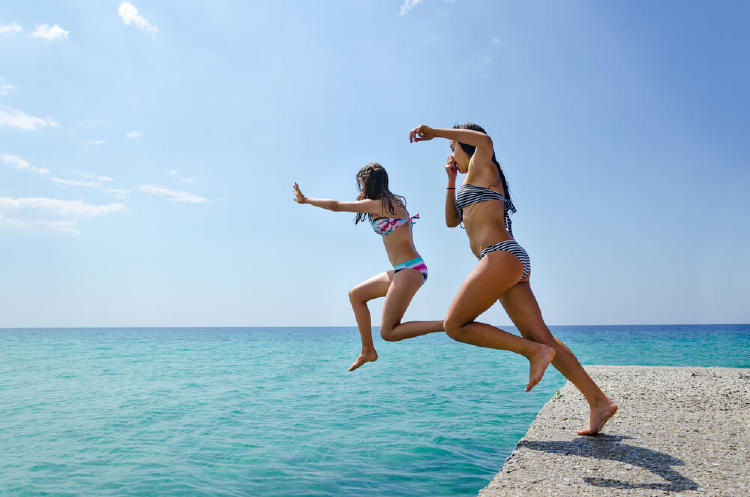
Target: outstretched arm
(367, 205)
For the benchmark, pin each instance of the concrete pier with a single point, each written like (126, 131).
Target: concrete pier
(678, 432)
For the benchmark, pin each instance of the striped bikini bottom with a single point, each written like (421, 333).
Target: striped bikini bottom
(417, 264)
(514, 248)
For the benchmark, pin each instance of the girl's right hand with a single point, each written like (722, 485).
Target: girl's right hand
(451, 168)
(421, 133)
(298, 196)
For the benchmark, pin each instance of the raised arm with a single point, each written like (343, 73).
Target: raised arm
(367, 205)
(451, 214)
(467, 136)
(480, 159)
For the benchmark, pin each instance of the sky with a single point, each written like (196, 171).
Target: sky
(147, 153)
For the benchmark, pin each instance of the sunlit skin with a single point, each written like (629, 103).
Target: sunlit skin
(397, 288)
(498, 277)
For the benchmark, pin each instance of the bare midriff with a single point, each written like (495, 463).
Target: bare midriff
(485, 224)
(399, 245)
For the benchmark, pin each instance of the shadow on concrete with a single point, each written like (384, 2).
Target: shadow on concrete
(609, 447)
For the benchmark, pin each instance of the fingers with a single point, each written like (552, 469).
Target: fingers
(417, 134)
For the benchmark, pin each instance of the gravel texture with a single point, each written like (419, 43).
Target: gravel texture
(679, 431)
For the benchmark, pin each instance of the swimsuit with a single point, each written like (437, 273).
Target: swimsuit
(385, 226)
(417, 264)
(471, 194)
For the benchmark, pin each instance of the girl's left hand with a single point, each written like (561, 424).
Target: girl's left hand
(421, 133)
(298, 196)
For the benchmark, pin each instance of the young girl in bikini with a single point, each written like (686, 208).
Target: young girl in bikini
(389, 218)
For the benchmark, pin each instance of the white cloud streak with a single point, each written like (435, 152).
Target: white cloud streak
(129, 15)
(408, 5)
(18, 119)
(65, 226)
(58, 207)
(134, 134)
(173, 195)
(20, 163)
(72, 182)
(47, 32)
(11, 28)
(6, 88)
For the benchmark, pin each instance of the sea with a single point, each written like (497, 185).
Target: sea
(274, 411)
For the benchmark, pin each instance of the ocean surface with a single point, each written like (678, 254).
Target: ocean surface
(274, 411)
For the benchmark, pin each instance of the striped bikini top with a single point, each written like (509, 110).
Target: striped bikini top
(386, 225)
(471, 194)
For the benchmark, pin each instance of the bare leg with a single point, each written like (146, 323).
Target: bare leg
(375, 287)
(492, 276)
(403, 287)
(523, 309)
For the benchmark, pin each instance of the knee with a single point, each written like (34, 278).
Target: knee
(454, 328)
(355, 295)
(387, 333)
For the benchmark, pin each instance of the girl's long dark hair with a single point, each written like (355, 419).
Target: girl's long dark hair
(469, 149)
(372, 180)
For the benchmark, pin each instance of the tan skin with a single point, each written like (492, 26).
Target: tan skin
(397, 288)
(498, 277)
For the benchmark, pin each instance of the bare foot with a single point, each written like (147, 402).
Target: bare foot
(363, 358)
(538, 364)
(598, 417)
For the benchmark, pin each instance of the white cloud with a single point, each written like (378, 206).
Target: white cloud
(408, 5)
(6, 88)
(182, 178)
(65, 213)
(73, 182)
(18, 119)
(47, 32)
(134, 134)
(11, 28)
(66, 226)
(173, 195)
(129, 15)
(58, 207)
(496, 41)
(20, 163)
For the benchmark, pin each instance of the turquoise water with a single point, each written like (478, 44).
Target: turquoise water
(272, 412)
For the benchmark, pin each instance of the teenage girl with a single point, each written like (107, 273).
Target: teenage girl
(389, 218)
(483, 204)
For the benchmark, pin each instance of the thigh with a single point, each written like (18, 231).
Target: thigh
(490, 278)
(523, 309)
(375, 287)
(404, 285)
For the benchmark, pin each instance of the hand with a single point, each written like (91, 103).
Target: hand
(361, 195)
(421, 133)
(298, 197)
(451, 167)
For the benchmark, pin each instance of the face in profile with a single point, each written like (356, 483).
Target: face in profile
(462, 160)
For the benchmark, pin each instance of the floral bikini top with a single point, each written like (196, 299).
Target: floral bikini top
(386, 225)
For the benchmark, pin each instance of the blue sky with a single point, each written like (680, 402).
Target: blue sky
(147, 152)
